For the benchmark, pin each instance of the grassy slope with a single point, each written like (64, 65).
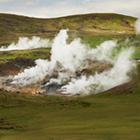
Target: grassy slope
(92, 28)
(25, 54)
(12, 26)
(102, 117)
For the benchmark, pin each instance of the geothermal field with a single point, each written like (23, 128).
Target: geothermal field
(71, 69)
(63, 79)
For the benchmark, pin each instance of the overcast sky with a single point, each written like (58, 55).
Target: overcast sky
(57, 8)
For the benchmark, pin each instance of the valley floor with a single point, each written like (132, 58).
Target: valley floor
(100, 117)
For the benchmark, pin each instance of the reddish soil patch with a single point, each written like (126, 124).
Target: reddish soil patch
(15, 66)
(126, 88)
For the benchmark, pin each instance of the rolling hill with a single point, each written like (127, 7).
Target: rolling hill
(13, 26)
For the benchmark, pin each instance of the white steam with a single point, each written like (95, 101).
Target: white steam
(104, 81)
(34, 74)
(137, 26)
(69, 58)
(24, 43)
(103, 52)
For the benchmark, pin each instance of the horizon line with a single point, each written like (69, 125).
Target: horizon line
(69, 15)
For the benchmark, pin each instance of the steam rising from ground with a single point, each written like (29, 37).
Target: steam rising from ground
(104, 81)
(67, 59)
(137, 26)
(24, 43)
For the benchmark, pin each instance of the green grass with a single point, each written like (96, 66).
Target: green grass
(12, 26)
(25, 54)
(100, 117)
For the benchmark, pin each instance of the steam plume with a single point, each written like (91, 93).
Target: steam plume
(104, 81)
(25, 43)
(137, 26)
(69, 58)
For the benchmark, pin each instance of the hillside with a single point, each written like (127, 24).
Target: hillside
(13, 26)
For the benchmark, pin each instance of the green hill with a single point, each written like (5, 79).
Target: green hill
(13, 26)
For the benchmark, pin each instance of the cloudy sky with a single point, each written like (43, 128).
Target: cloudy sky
(57, 8)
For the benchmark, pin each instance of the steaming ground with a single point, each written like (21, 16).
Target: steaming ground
(137, 26)
(64, 71)
(24, 43)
